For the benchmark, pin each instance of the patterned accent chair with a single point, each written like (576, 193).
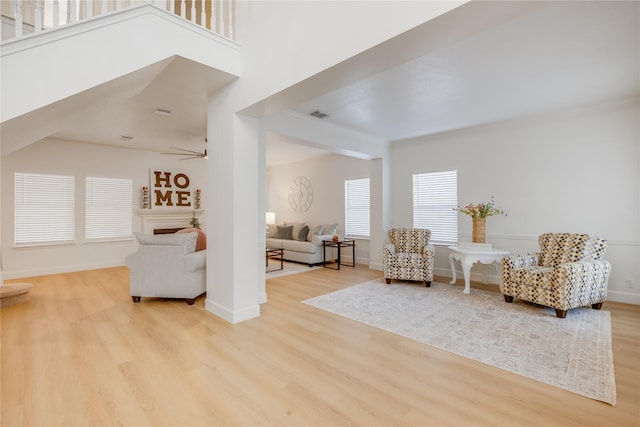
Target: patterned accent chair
(568, 272)
(408, 255)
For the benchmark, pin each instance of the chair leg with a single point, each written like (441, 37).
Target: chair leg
(596, 306)
(561, 313)
(427, 283)
(387, 280)
(190, 301)
(135, 299)
(508, 298)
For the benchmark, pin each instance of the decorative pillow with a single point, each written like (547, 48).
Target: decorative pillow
(303, 233)
(201, 242)
(272, 229)
(188, 240)
(314, 229)
(284, 232)
(330, 228)
(297, 226)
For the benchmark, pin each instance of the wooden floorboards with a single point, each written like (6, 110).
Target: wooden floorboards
(80, 353)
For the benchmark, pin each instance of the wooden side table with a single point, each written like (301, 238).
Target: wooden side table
(345, 243)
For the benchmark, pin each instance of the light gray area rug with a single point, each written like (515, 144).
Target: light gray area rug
(574, 353)
(289, 268)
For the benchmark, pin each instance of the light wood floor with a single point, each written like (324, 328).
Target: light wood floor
(80, 353)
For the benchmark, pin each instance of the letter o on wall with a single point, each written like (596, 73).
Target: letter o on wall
(181, 177)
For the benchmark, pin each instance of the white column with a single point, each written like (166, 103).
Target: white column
(379, 209)
(235, 215)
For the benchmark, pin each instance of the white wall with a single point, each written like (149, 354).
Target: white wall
(79, 159)
(327, 175)
(570, 171)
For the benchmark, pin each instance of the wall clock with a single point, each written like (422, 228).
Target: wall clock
(301, 194)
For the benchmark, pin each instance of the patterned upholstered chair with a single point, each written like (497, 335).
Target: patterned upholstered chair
(408, 255)
(568, 272)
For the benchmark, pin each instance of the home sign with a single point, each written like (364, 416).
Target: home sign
(170, 189)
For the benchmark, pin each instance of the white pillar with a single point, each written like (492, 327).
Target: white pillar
(379, 209)
(235, 215)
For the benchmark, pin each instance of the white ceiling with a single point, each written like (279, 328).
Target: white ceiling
(559, 55)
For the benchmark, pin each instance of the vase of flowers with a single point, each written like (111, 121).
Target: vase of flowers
(479, 213)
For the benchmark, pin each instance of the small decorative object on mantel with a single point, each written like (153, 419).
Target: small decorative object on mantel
(144, 198)
(197, 199)
(479, 213)
(195, 223)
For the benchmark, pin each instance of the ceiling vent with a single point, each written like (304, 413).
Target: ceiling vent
(162, 112)
(319, 115)
(125, 138)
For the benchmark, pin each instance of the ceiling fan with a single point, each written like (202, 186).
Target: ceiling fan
(189, 153)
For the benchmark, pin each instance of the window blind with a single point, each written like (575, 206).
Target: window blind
(356, 202)
(435, 196)
(43, 208)
(108, 208)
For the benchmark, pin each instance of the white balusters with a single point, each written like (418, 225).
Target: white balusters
(37, 15)
(43, 14)
(71, 11)
(203, 15)
(56, 13)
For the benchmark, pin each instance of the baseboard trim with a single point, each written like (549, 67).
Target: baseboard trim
(232, 316)
(20, 274)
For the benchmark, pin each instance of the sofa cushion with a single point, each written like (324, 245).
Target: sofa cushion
(300, 246)
(297, 226)
(284, 232)
(272, 229)
(302, 234)
(330, 228)
(314, 229)
(187, 240)
(533, 276)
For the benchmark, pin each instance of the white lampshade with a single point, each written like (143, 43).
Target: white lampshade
(271, 217)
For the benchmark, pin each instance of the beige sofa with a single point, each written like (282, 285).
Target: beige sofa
(302, 241)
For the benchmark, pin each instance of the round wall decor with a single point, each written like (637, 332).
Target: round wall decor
(301, 194)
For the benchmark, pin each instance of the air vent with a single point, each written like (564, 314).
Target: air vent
(125, 138)
(319, 115)
(162, 112)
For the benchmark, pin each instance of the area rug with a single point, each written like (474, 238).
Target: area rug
(289, 268)
(574, 353)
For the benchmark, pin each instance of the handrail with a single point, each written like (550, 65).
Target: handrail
(23, 17)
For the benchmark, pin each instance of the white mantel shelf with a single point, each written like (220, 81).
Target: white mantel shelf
(168, 218)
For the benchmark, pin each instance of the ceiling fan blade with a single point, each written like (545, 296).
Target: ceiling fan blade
(193, 157)
(186, 151)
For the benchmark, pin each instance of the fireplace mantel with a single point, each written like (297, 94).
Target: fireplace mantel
(168, 218)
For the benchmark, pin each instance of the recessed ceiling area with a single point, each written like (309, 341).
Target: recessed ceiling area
(553, 56)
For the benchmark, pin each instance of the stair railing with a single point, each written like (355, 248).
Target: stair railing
(23, 17)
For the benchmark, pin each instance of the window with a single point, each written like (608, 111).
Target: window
(435, 196)
(43, 209)
(108, 208)
(356, 203)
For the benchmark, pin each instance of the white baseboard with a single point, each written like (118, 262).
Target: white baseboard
(232, 316)
(19, 274)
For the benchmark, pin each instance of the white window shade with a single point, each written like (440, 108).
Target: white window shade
(435, 197)
(357, 212)
(108, 208)
(43, 209)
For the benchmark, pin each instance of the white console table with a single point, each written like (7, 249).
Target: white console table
(470, 254)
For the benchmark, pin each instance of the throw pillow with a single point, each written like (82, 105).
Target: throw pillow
(201, 242)
(297, 226)
(302, 235)
(284, 232)
(330, 228)
(272, 229)
(188, 240)
(314, 229)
